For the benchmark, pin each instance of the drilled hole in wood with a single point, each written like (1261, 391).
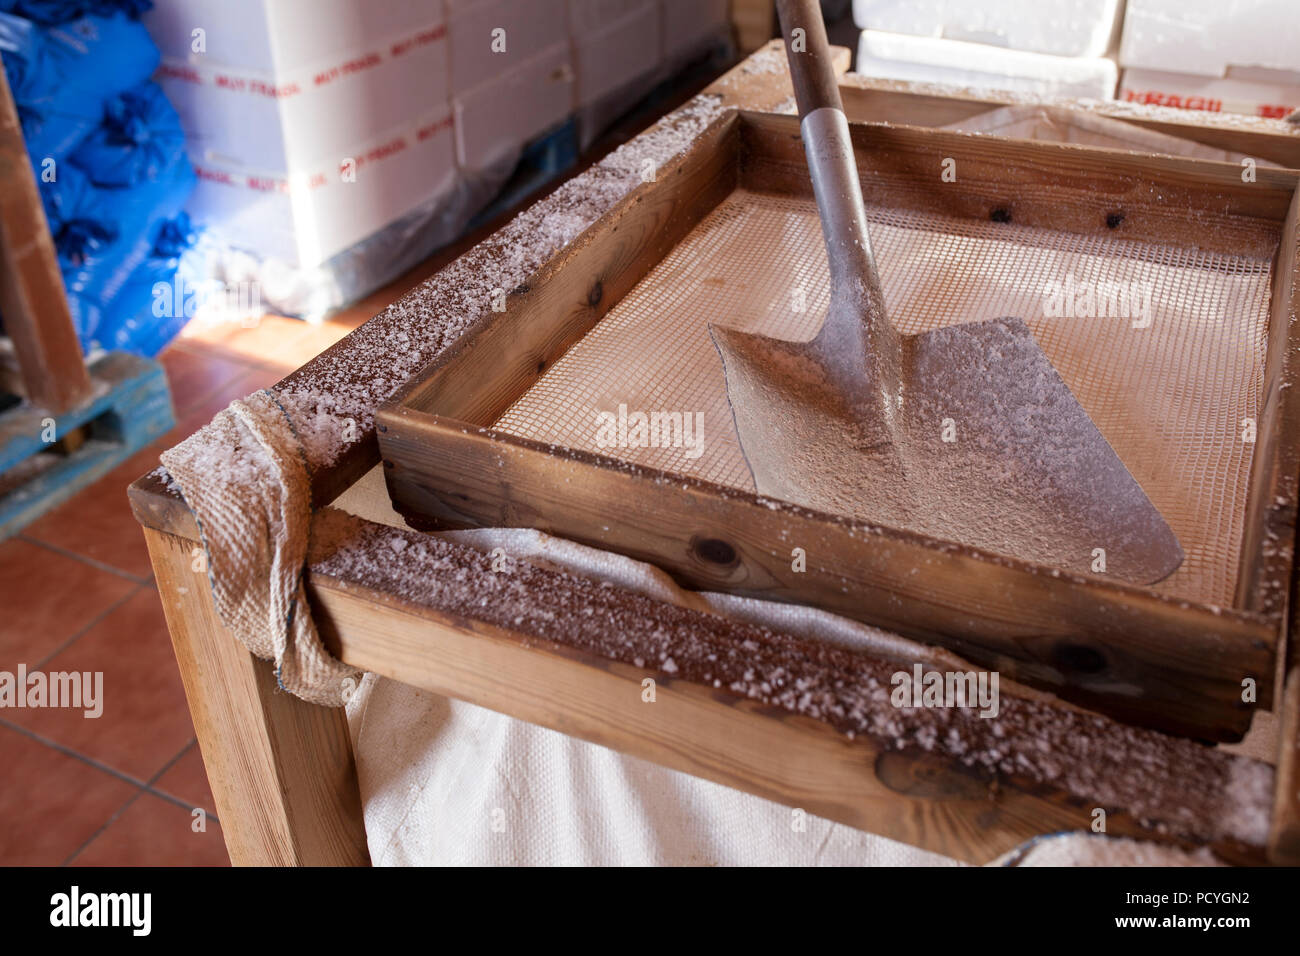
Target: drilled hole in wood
(714, 551)
(1001, 214)
(1114, 219)
(1079, 658)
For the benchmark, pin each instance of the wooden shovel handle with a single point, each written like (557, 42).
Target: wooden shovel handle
(831, 165)
(809, 53)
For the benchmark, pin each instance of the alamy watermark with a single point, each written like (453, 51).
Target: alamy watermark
(1074, 299)
(922, 688)
(212, 299)
(133, 911)
(655, 429)
(75, 690)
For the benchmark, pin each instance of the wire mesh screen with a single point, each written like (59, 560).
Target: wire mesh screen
(1164, 348)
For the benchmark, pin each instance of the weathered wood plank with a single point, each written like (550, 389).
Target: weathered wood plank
(508, 351)
(1119, 649)
(1267, 544)
(130, 407)
(868, 99)
(1170, 200)
(1284, 837)
(931, 800)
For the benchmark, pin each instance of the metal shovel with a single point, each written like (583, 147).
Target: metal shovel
(966, 434)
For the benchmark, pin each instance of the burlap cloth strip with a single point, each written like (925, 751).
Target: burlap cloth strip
(245, 478)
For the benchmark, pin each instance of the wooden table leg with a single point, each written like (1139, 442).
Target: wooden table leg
(281, 770)
(1284, 840)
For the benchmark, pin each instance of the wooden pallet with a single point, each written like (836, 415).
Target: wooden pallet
(47, 458)
(62, 425)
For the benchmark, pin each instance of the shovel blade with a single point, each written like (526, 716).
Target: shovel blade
(984, 445)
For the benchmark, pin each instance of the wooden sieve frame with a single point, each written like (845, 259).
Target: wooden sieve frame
(1124, 650)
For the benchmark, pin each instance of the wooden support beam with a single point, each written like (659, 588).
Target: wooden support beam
(32, 299)
(1284, 837)
(552, 676)
(281, 770)
(874, 100)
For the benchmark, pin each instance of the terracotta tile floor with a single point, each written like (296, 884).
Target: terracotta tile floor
(77, 593)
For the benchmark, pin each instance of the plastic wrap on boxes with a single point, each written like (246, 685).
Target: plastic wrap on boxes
(312, 293)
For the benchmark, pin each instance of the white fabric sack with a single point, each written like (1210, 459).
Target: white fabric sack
(448, 783)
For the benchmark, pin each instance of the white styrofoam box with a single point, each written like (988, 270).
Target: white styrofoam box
(275, 36)
(614, 54)
(289, 120)
(1211, 93)
(305, 218)
(1058, 27)
(589, 16)
(687, 23)
(531, 27)
(510, 109)
(1213, 37)
(897, 56)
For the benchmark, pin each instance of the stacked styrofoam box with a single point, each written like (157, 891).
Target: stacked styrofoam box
(625, 43)
(1074, 28)
(688, 24)
(1237, 56)
(315, 123)
(312, 123)
(511, 74)
(623, 48)
(519, 67)
(1049, 47)
(615, 43)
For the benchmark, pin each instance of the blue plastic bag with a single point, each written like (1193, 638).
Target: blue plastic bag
(61, 76)
(139, 138)
(143, 317)
(22, 44)
(83, 240)
(49, 12)
(102, 235)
